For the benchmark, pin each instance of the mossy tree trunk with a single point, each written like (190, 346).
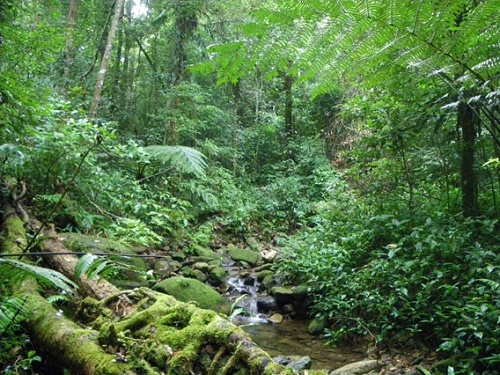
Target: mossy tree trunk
(156, 334)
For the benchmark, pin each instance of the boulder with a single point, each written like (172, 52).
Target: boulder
(252, 243)
(262, 274)
(192, 290)
(358, 368)
(295, 362)
(243, 255)
(269, 256)
(217, 276)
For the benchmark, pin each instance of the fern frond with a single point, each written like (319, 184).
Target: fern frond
(16, 271)
(11, 312)
(185, 159)
(92, 266)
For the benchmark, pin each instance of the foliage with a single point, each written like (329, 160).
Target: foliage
(15, 271)
(431, 279)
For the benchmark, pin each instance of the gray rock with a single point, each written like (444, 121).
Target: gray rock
(295, 362)
(358, 368)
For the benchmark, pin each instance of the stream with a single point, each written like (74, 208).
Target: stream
(290, 337)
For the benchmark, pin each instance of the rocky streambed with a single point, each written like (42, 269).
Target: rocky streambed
(238, 280)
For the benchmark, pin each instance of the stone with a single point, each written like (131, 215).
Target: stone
(217, 276)
(317, 325)
(201, 251)
(269, 282)
(262, 274)
(358, 368)
(244, 255)
(262, 267)
(266, 303)
(301, 363)
(276, 318)
(269, 256)
(252, 243)
(191, 290)
(202, 266)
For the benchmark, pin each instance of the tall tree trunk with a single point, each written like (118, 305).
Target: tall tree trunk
(288, 83)
(468, 122)
(105, 59)
(70, 41)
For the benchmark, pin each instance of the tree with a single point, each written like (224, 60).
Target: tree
(106, 59)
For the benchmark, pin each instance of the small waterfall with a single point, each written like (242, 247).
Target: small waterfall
(248, 288)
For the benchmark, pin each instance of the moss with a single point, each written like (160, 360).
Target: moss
(243, 255)
(187, 290)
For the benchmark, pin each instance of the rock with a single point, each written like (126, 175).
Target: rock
(187, 290)
(269, 282)
(317, 325)
(202, 266)
(269, 256)
(243, 255)
(295, 362)
(266, 303)
(201, 251)
(276, 318)
(178, 255)
(217, 275)
(262, 274)
(358, 368)
(262, 267)
(288, 309)
(299, 364)
(252, 243)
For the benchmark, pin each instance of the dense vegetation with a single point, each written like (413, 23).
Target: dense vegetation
(362, 137)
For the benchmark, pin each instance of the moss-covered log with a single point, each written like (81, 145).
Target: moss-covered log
(156, 335)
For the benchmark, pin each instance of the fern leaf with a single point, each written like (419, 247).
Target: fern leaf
(185, 159)
(16, 270)
(11, 311)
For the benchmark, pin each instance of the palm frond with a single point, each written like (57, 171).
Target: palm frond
(185, 159)
(14, 271)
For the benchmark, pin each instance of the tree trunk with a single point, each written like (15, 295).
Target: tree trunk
(105, 59)
(468, 122)
(70, 41)
(288, 83)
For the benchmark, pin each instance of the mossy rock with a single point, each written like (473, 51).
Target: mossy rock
(79, 242)
(263, 274)
(317, 325)
(217, 275)
(201, 251)
(192, 290)
(243, 255)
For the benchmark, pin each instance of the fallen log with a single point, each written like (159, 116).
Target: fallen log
(155, 334)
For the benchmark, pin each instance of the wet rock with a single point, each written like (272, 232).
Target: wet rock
(188, 290)
(276, 318)
(266, 303)
(289, 309)
(269, 282)
(358, 368)
(243, 255)
(283, 295)
(295, 362)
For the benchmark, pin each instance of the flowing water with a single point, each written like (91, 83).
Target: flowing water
(290, 338)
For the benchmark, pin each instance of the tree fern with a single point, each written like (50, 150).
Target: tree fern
(185, 159)
(15, 271)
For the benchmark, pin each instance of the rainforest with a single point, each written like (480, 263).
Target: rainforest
(186, 184)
